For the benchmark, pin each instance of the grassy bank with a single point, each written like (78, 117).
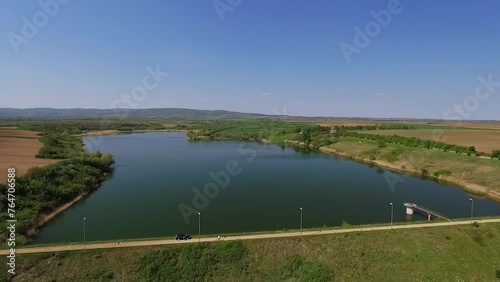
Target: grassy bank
(459, 165)
(458, 253)
(478, 175)
(345, 226)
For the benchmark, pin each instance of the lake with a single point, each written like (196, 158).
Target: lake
(257, 187)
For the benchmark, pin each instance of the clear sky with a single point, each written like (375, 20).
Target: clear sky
(263, 56)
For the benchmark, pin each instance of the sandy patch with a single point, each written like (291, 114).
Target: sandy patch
(19, 153)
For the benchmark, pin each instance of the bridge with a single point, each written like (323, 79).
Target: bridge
(410, 207)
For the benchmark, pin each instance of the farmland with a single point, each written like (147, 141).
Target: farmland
(18, 149)
(484, 140)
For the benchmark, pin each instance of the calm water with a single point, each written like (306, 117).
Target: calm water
(156, 172)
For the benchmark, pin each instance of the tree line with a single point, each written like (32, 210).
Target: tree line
(43, 189)
(374, 127)
(411, 142)
(83, 126)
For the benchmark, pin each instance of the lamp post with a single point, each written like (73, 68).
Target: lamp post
(199, 227)
(300, 221)
(392, 213)
(84, 235)
(471, 208)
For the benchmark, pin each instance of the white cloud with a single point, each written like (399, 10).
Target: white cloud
(298, 103)
(266, 94)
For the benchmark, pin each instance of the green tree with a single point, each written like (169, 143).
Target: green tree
(495, 154)
(381, 143)
(306, 136)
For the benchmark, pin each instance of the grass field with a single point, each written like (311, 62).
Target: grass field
(484, 140)
(452, 125)
(458, 253)
(18, 149)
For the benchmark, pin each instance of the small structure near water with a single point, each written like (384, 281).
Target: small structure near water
(411, 207)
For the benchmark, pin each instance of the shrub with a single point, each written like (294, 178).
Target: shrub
(42, 189)
(195, 262)
(297, 268)
(425, 172)
(495, 154)
(381, 143)
(497, 273)
(345, 224)
(444, 172)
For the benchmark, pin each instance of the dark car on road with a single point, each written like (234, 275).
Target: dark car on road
(182, 237)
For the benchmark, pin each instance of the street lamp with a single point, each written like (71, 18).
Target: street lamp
(199, 227)
(471, 208)
(84, 235)
(392, 213)
(300, 221)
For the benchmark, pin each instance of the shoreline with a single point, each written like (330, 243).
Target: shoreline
(472, 188)
(118, 132)
(466, 186)
(44, 218)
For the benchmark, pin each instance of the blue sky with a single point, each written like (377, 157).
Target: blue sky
(264, 56)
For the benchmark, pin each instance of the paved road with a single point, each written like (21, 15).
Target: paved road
(62, 248)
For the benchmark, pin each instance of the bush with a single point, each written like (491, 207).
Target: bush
(425, 172)
(381, 143)
(196, 262)
(345, 224)
(497, 273)
(297, 268)
(444, 172)
(43, 189)
(495, 154)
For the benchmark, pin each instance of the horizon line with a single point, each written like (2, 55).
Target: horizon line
(261, 114)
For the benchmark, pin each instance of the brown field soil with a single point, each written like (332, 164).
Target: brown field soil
(484, 140)
(12, 132)
(19, 153)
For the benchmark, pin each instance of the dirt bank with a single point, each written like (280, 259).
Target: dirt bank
(405, 168)
(44, 218)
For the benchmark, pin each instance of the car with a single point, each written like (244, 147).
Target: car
(182, 237)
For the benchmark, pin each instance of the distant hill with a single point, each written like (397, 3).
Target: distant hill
(158, 113)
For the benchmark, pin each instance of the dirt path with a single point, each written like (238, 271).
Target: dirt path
(62, 248)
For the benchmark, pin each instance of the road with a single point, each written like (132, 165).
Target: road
(62, 248)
